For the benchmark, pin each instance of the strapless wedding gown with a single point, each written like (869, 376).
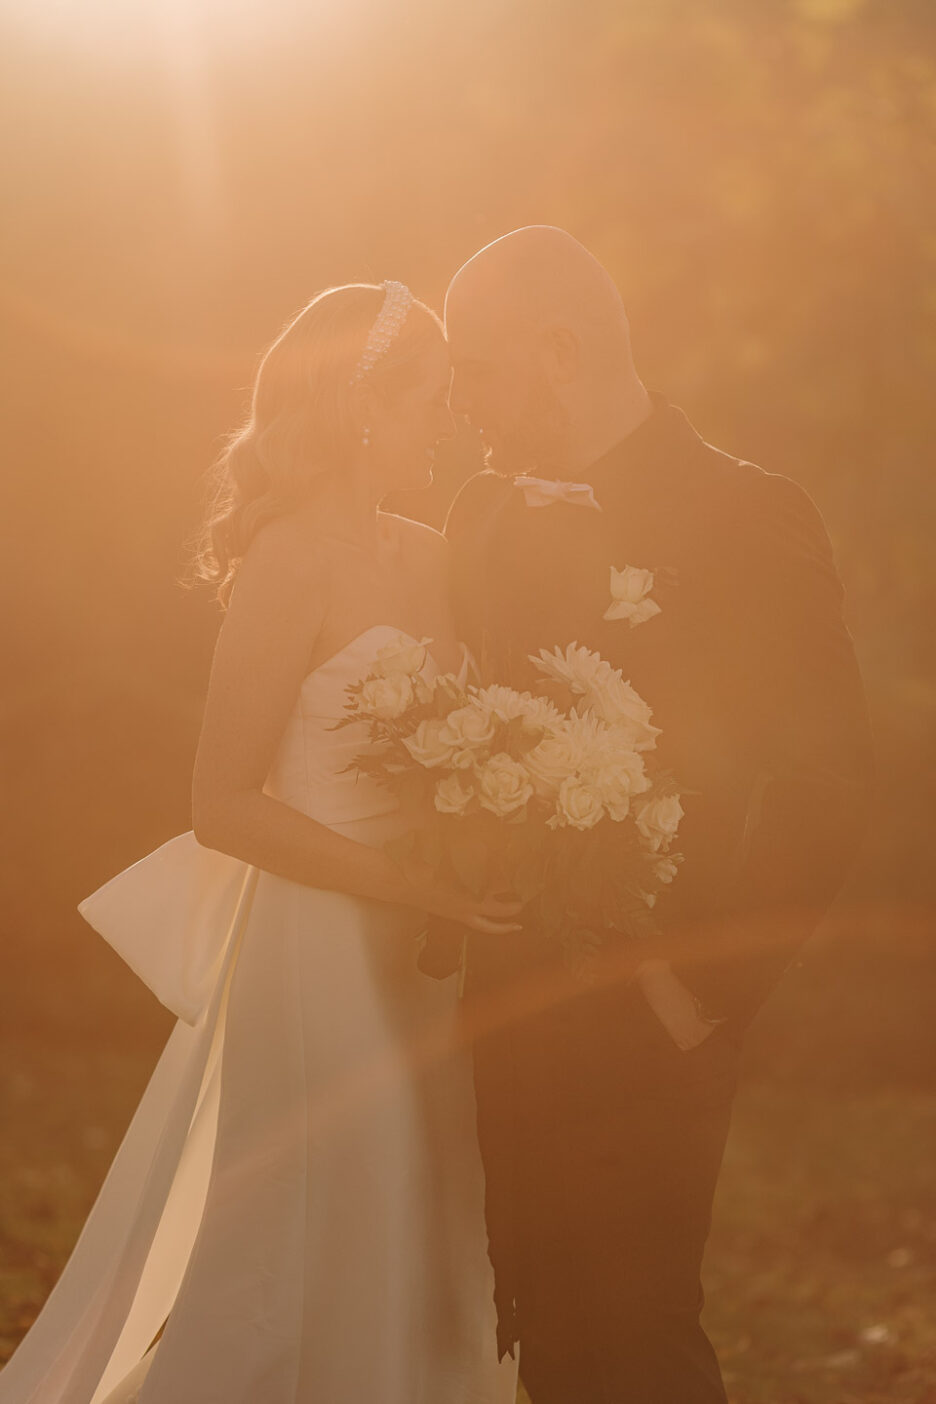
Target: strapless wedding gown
(299, 1197)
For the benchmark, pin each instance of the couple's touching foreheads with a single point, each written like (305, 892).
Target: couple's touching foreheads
(501, 836)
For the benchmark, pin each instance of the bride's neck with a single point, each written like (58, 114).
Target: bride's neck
(347, 511)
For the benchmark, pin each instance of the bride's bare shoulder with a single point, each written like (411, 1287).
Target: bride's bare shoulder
(284, 559)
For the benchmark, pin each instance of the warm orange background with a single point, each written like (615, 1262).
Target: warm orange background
(180, 177)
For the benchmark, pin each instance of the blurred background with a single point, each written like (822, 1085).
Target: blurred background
(179, 177)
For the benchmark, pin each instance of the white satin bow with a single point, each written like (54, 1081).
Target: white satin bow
(543, 492)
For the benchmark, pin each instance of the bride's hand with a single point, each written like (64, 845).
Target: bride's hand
(493, 915)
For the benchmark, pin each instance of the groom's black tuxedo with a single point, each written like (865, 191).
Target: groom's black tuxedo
(601, 1139)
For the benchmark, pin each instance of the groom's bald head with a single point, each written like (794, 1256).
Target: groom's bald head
(536, 279)
(538, 335)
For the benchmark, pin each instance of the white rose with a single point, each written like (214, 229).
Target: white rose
(665, 869)
(504, 785)
(658, 819)
(615, 799)
(578, 668)
(452, 796)
(579, 744)
(428, 745)
(467, 731)
(578, 806)
(630, 589)
(619, 780)
(553, 760)
(615, 702)
(403, 655)
(387, 697)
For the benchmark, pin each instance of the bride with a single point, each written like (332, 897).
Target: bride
(295, 1213)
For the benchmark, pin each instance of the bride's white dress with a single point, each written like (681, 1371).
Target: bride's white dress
(299, 1197)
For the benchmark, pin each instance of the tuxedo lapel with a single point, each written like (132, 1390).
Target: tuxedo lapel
(534, 577)
(547, 577)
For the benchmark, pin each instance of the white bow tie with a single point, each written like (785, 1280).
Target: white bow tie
(543, 492)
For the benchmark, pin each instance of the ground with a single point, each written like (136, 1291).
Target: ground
(821, 1271)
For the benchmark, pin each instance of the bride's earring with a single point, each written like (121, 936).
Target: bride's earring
(365, 437)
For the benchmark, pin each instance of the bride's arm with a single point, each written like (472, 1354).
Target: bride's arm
(262, 655)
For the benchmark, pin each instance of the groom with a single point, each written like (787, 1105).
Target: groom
(603, 1109)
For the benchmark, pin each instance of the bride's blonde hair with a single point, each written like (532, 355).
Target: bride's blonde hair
(303, 419)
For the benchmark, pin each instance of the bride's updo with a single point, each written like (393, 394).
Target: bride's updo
(303, 418)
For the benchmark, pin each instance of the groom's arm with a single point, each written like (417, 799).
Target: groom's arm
(797, 705)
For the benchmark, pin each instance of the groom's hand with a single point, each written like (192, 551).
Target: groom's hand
(675, 1006)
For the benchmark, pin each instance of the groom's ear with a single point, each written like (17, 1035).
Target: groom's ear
(562, 351)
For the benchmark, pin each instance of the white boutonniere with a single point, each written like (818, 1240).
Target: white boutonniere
(630, 596)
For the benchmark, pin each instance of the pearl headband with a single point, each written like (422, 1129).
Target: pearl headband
(386, 329)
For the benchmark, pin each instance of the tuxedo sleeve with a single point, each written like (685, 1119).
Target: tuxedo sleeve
(795, 706)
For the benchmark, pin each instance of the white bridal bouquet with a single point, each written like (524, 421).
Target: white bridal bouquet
(552, 797)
